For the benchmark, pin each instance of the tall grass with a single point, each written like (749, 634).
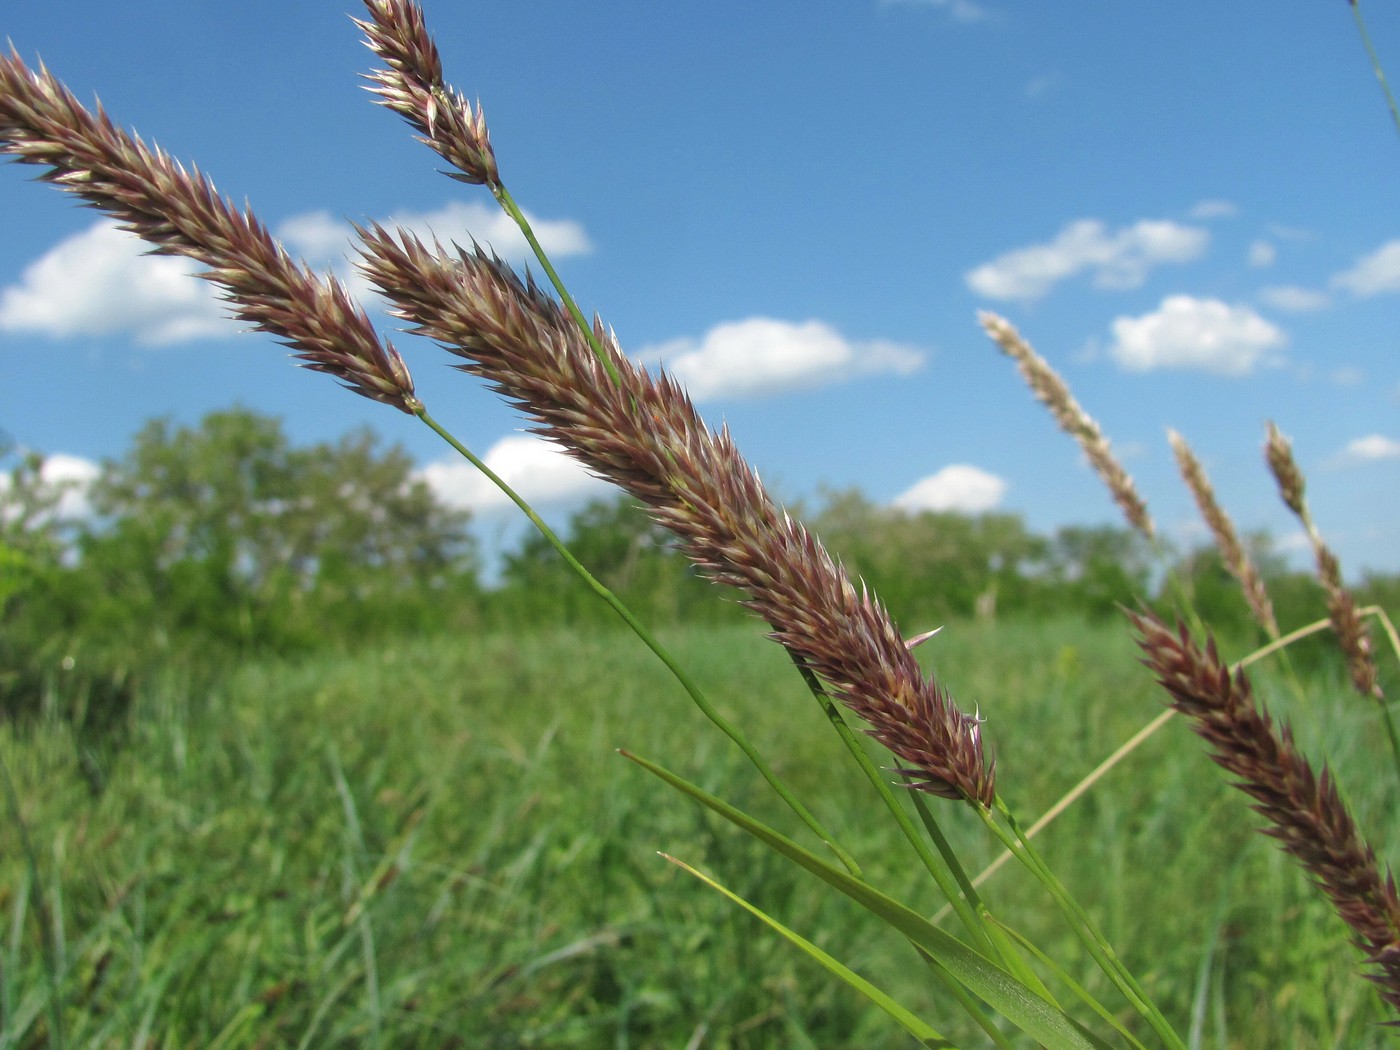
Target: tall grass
(325, 816)
(257, 853)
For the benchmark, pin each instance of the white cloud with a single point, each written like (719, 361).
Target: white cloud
(1203, 334)
(1371, 448)
(539, 470)
(1262, 253)
(1213, 209)
(1373, 274)
(960, 10)
(74, 475)
(67, 476)
(318, 235)
(322, 237)
(1294, 300)
(328, 242)
(760, 355)
(100, 282)
(959, 487)
(1117, 259)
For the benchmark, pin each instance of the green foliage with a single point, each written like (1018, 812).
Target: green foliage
(627, 552)
(931, 567)
(223, 538)
(433, 843)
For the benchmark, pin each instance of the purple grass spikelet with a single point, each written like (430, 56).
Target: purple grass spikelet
(179, 212)
(643, 434)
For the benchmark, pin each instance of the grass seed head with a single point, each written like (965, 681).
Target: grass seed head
(413, 87)
(1278, 452)
(1227, 541)
(179, 212)
(1052, 391)
(1304, 810)
(643, 434)
(1352, 636)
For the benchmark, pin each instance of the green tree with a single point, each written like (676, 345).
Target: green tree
(930, 565)
(1096, 568)
(31, 531)
(622, 547)
(227, 533)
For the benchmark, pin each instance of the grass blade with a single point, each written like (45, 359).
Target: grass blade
(914, 1025)
(998, 988)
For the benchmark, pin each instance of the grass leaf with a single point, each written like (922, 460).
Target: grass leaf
(920, 1029)
(998, 988)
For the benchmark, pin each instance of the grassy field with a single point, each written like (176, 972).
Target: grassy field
(435, 844)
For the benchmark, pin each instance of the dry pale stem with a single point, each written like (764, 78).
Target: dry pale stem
(1227, 541)
(1052, 391)
(643, 434)
(1352, 634)
(1305, 812)
(180, 213)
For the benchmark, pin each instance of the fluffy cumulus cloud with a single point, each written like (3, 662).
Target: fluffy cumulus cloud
(1293, 299)
(1373, 274)
(959, 487)
(322, 238)
(1116, 259)
(1203, 334)
(328, 242)
(99, 283)
(1371, 448)
(537, 469)
(760, 355)
(68, 477)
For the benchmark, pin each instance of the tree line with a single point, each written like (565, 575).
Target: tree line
(206, 543)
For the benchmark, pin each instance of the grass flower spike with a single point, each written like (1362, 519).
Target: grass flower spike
(180, 213)
(1051, 391)
(1304, 810)
(1350, 629)
(413, 87)
(644, 435)
(1227, 541)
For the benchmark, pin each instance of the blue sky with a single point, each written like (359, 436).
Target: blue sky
(1190, 211)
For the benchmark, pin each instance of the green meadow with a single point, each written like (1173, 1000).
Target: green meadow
(434, 842)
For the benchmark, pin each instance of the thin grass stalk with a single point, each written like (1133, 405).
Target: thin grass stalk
(926, 1034)
(1304, 810)
(1078, 990)
(1375, 60)
(1387, 627)
(948, 875)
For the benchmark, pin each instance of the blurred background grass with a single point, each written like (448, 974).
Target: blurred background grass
(432, 842)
